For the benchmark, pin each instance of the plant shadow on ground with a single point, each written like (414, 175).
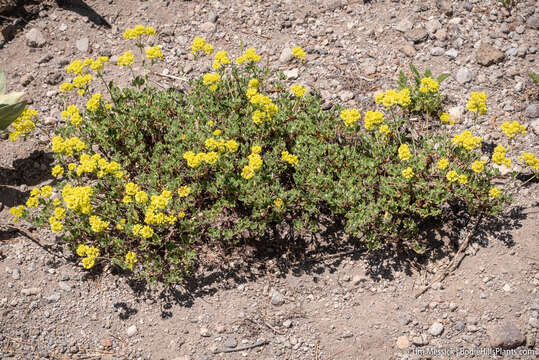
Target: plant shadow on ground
(283, 256)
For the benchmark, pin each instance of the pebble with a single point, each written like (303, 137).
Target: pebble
(532, 111)
(346, 95)
(420, 340)
(437, 51)
(27, 79)
(507, 288)
(506, 336)
(292, 74)
(417, 35)
(16, 274)
(287, 323)
(488, 55)
(208, 27)
(464, 75)
(408, 50)
(286, 55)
(452, 53)
(30, 291)
(205, 332)
(131, 331)
(231, 343)
(35, 38)
(83, 45)
(276, 298)
(460, 326)
(52, 298)
(436, 329)
(403, 342)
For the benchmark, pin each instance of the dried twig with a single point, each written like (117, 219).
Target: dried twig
(171, 77)
(456, 260)
(260, 343)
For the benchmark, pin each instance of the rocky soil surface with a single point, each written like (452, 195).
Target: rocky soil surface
(351, 306)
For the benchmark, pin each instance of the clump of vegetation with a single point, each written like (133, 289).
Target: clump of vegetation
(148, 175)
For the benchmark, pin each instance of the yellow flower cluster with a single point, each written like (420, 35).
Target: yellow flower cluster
(127, 59)
(350, 116)
(298, 52)
(73, 114)
(512, 129)
(530, 159)
(57, 171)
(477, 103)
(144, 231)
(66, 87)
(408, 173)
(184, 191)
(278, 202)
(478, 166)
(23, 124)
(446, 119)
(89, 164)
(17, 212)
(289, 158)
(130, 260)
(404, 152)
(298, 90)
(211, 80)
(442, 164)
(248, 55)
(221, 145)
(81, 82)
(153, 216)
(137, 31)
(494, 192)
(392, 97)
(194, 160)
(77, 198)
(467, 140)
(67, 146)
(220, 59)
(384, 129)
(266, 108)
(97, 224)
(75, 67)
(255, 163)
(199, 44)
(154, 52)
(373, 119)
(498, 156)
(429, 85)
(89, 253)
(93, 104)
(453, 176)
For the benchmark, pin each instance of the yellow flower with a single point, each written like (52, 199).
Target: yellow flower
(198, 45)
(254, 83)
(512, 129)
(350, 116)
(256, 149)
(232, 146)
(467, 140)
(530, 159)
(146, 232)
(373, 119)
(247, 172)
(66, 87)
(150, 31)
(463, 179)
(154, 52)
(57, 171)
(211, 80)
(184, 191)
(81, 250)
(56, 226)
(442, 164)
(384, 129)
(17, 211)
(208, 49)
(452, 176)
(127, 59)
(88, 262)
(494, 192)
(78, 198)
(141, 196)
(57, 202)
(93, 103)
(181, 214)
(298, 90)
(408, 173)
(217, 132)
(477, 103)
(478, 166)
(404, 152)
(249, 55)
(97, 224)
(32, 202)
(298, 52)
(59, 213)
(392, 97)
(220, 59)
(131, 188)
(446, 119)
(289, 158)
(46, 191)
(429, 85)
(127, 199)
(498, 156)
(130, 259)
(278, 202)
(76, 67)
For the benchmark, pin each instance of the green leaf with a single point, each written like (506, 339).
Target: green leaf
(414, 70)
(8, 113)
(442, 77)
(2, 82)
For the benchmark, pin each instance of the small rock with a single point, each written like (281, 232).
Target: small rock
(445, 7)
(16, 274)
(27, 79)
(420, 340)
(436, 329)
(220, 329)
(464, 75)
(408, 50)
(62, 27)
(534, 322)
(35, 38)
(292, 74)
(64, 286)
(231, 343)
(287, 323)
(52, 298)
(207, 27)
(82, 45)
(437, 51)
(432, 26)
(437, 286)
(404, 25)
(417, 35)
(460, 326)
(131, 331)
(534, 125)
(106, 343)
(452, 53)
(205, 332)
(507, 288)
(530, 341)
(276, 298)
(403, 342)
(286, 55)
(346, 95)
(44, 59)
(487, 55)
(212, 17)
(506, 336)
(54, 78)
(456, 113)
(533, 22)
(532, 111)
(30, 291)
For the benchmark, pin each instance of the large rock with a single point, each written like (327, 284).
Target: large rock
(35, 38)
(404, 25)
(6, 5)
(487, 55)
(532, 111)
(417, 35)
(505, 336)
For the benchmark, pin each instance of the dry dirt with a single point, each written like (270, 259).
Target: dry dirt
(328, 305)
